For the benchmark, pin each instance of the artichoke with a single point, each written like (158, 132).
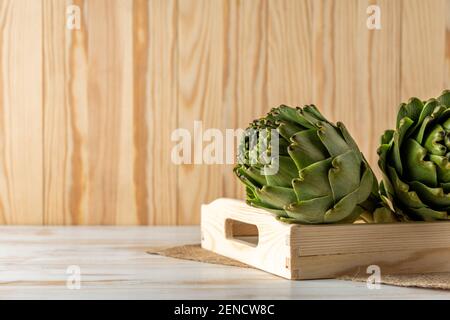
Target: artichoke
(414, 159)
(316, 175)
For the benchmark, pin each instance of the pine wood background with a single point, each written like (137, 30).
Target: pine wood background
(86, 115)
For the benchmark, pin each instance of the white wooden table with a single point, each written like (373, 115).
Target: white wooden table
(114, 265)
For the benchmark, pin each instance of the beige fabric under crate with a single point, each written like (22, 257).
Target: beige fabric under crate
(194, 252)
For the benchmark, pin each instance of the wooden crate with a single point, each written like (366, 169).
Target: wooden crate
(253, 236)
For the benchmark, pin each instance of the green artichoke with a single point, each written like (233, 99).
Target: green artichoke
(414, 160)
(316, 175)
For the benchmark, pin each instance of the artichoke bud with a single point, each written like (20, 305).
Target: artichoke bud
(414, 160)
(304, 169)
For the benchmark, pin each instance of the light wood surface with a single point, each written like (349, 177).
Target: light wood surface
(200, 74)
(157, 176)
(21, 109)
(86, 115)
(322, 251)
(114, 265)
(414, 62)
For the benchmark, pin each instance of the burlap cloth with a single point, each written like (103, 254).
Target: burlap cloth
(195, 253)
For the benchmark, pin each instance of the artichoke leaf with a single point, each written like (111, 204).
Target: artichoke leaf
(383, 151)
(428, 214)
(344, 207)
(348, 138)
(431, 108)
(283, 113)
(387, 137)
(367, 217)
(385, 194)
(444, 99)
(344, 174)
(310, 211)
(411, 110)
(447, 138)
(433, 197)
(280, 172)
(385, 184)
(429, 112)
(261, 205)
(286, 219)
(446, 124)
(384, 215)
(283, 144)
(288, 129)
(313, 181)
(419, 136)
(432, 142)
(276, 197)
(399, 135)
(291, 115)
(251, 195)
(312, 109)
(358, 212)
(307, 149)
(250, 175)
(445, 186)
(419, 169)
(438, 112)
(401, 215)
(332, 139)
(366, 184)
(444, 115)
(386, 197)
(310, 116)
(443, 167)
(403, 193)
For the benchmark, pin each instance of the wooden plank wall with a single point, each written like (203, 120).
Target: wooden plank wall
(86, 115)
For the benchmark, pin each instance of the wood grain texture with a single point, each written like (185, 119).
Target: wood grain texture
(65, 110)
(447, 46)
(378, 76)
(201, 33)
(323, 251)
(290, 65)
(103, 126)
(96, 107)
(88, 145)
(21, 177)
(423, 48)
(158, 94)
(110, 116)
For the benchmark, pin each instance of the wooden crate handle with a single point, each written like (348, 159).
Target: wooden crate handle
(242, 232)
(250, 235)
